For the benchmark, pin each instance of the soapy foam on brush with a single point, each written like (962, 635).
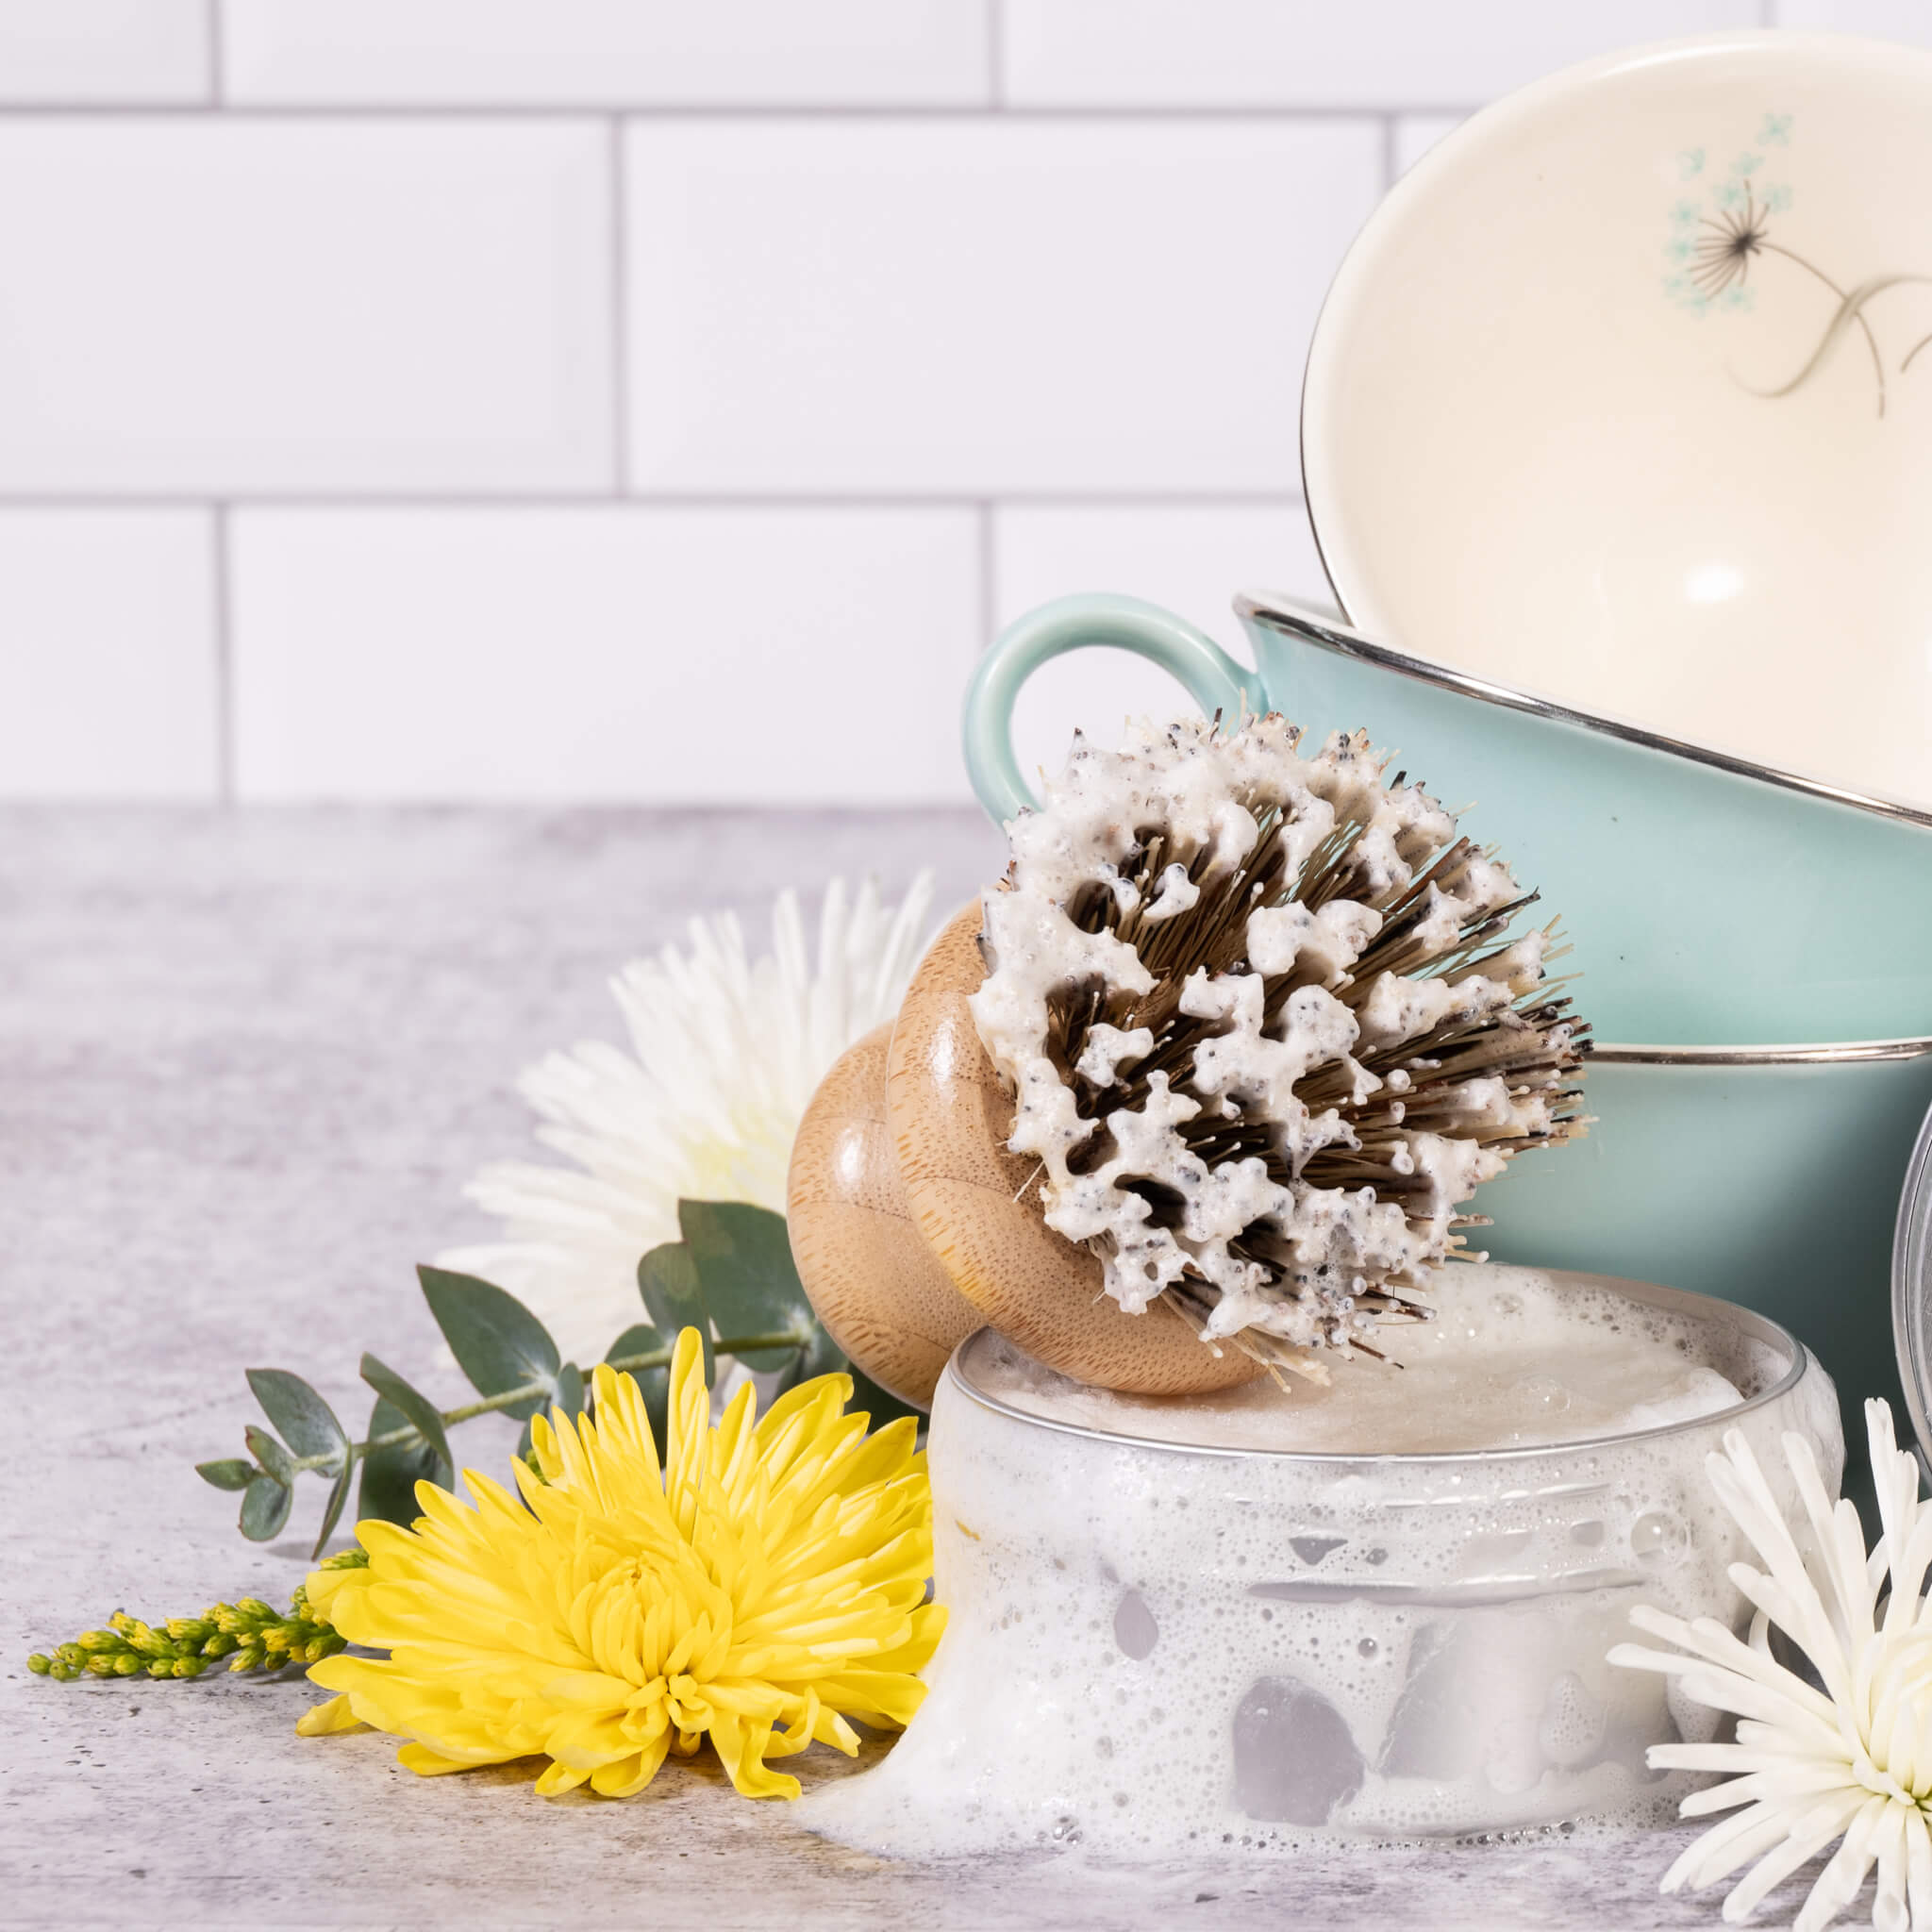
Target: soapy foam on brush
(1328, 1047)
(1153, 1654)
(1511, 1361)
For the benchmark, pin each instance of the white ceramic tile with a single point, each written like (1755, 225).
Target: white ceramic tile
(1191, 559)
(215, 304)
(984, 307)
(106, 653)
(735, 51)
(103, 50)
(1312, 53)
(811, 655)
(1416, 134)
(1884, 20)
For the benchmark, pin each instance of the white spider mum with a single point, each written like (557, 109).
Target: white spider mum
(1852, 1762)
(725, 1053)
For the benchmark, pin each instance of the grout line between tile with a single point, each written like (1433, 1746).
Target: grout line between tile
(579, 111)
(620, 317)
(660, 499)
(225, 659)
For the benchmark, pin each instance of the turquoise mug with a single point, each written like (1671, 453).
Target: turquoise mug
(1768, 1173)
(1709, 900)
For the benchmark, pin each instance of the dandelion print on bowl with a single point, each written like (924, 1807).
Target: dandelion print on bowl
(1712, 247)
(1624, 397)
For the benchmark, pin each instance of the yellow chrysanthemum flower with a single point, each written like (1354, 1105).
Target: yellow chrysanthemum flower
(767, 1585)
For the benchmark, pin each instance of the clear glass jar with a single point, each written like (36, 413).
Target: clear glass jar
(1164, 1649)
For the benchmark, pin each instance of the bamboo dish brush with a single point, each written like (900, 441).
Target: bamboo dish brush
(1198, 1089)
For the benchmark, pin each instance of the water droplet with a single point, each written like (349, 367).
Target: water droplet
(1655, 1536)
(1367, 1647)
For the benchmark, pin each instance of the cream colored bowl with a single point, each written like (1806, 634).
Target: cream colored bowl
(1624, 396)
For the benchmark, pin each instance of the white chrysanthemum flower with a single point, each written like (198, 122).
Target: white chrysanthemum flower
(1809, 1766)
(725, 1053)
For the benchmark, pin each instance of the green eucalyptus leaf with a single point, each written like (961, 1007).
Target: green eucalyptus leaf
(269, 1454)
(673, 1298)
(417, 1410)
(745, 1271)
(232, 1472)
(570, 1389)
(264, 1508)
(308, 1424)
(332, 1510)
(880, 1404)
(820, 1355)
(497, 1342)
(639, 1339)
(389, 1475)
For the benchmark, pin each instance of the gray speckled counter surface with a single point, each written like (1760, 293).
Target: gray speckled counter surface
(246, 1064)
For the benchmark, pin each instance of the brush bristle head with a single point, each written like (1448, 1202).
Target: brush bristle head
(1266, 1028)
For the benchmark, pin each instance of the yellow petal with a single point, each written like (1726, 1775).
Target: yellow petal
(558, 1779)
(326, 1720)
(428, 1763)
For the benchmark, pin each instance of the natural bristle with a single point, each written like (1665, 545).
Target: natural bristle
(1266, 1028)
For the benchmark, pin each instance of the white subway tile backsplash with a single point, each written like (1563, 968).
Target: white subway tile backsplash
(75, 50)
(900, 53)
(1191, 558)
(107, 654)
(1888, 20)
(639, 401)
(236, 304)
(1315, 54)
(805, 655)
(1416, 134)
(980, 306)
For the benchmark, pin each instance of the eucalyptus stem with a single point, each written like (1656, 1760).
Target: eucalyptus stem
(509, 1398)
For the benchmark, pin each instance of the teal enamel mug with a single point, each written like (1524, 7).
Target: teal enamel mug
(1709, 900)
(1711, 904)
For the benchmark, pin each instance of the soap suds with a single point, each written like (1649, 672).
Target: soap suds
(1154, 1654)
(1512, 1361)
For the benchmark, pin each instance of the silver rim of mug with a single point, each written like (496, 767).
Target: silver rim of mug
(1833, 1053)
(1701, 1308)
(1262, 608)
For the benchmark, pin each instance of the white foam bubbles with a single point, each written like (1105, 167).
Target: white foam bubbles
(1156, 1651)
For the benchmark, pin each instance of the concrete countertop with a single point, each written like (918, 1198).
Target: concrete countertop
(247, 1061)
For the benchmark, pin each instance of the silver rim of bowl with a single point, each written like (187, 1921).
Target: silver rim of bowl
(1840, 1051)
(1703, 1308)
(1349, 643)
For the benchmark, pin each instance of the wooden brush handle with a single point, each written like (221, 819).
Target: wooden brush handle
(977, 1206)
(873, 1281)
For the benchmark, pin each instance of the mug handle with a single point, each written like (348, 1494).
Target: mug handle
(1212, 678)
